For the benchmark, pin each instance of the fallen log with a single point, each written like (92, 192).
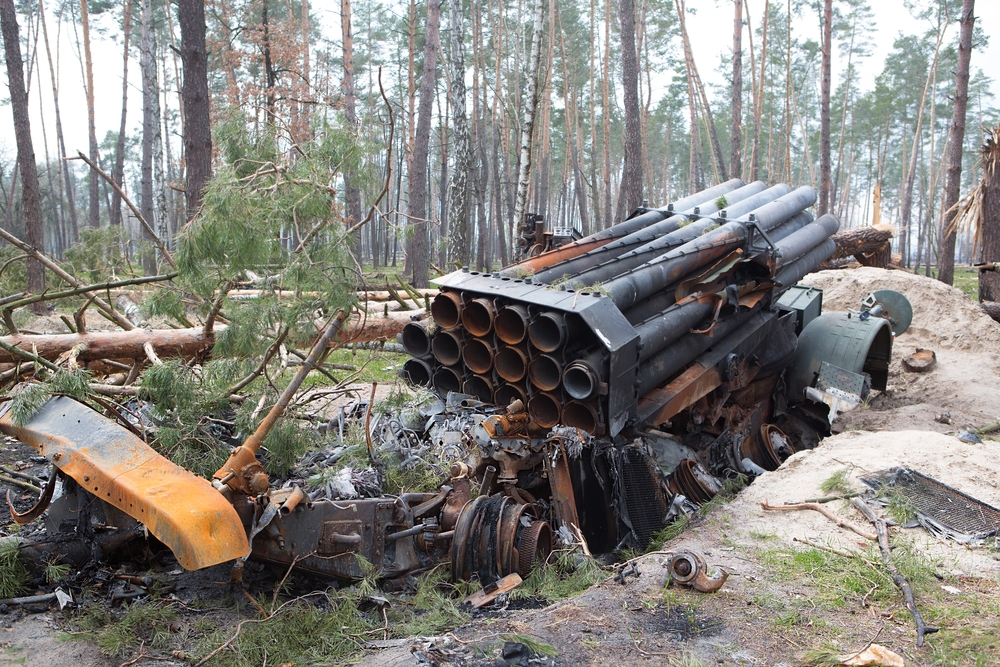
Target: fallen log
(991, 308)
(868, 245)
(183, 343)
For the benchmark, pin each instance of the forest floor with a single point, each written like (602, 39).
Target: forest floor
(790, 598)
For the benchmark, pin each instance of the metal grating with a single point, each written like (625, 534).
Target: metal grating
(645, 502)
(941, 509)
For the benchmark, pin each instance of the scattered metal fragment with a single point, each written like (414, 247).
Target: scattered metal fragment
(968, 436)
(940, 509)
(491, 592)
(688, 568)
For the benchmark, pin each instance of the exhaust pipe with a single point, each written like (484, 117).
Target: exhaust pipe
(478, 316)
(446, 308)
(478, 355)
(447, 346)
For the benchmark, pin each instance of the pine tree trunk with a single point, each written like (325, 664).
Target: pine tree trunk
(736, 102)
(30, 195)
(630, 197)
(458, 210)
(824, 111)
(606, 113)
(197, 114)
(94, 210)
(692, 68)
(956, 139)
(759, 101)
(118, 172)
(352, 194)
(64, 166)
(989, 220)
(527, 126)
(417, 177)
(150, 132)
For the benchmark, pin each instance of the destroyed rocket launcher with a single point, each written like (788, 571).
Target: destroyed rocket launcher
(629, 326)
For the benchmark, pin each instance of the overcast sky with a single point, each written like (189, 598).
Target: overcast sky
(710, 28)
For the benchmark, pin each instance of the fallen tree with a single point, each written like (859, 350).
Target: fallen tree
(870, 246)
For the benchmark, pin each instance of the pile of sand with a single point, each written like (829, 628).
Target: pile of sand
(966, 341)
(970, 468)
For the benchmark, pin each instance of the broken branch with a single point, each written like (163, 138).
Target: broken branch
(822, 510)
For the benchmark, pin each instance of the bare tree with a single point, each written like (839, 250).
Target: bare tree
(194, 92)
(736, 131)
(94, 211)
(352, 194)
(824, 111)
(417, 176)
(25, 151)
(630, 194)
(458, 239)
(524, 162)
(150, 130)
(956, 138)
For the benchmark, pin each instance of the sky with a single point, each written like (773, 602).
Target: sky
(710, 29)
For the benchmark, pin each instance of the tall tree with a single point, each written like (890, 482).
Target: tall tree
(94, 210)
(352, 194)
(630, 194)
(528, 124)
(118, 172)
(458, 241)
(824, 110)
(736, 131)
(956, 138)
(417, 176)
(150, 130)
(25, 151)
(194, 92)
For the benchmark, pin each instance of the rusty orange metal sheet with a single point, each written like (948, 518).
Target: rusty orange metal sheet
(182, 510)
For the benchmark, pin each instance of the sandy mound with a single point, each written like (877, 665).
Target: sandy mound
(963, 466)
(966, 341)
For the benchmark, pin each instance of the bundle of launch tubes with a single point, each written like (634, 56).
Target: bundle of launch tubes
(587, 335)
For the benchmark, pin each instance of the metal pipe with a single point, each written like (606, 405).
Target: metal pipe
(511, 324)
(657, 246)
(681, 217)
(446, 309)
(508, 393)
(446, 380)
(641, 282)
(582, 378)
(624, 228)
(478, 355)
(807, 263)
(416, 341)
(802, 241)
(488, 477)
(545, 372)
(479, 386)
(581, 415)
(447, 347)
(663, 329)
(477, 316)
(545, 408)
(417, 372)
(548, 331)
(511, 363)
(790, 226)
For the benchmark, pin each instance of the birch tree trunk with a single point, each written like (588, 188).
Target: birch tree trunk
(417, 177)
(956, 139)
(25, 151)
(458, 239)
(524, 170)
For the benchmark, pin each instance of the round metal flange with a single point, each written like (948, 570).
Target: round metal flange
(896, 308)
(684, 566)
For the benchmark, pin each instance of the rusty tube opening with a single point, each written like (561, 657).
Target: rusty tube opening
(508, 393)
(580, 415)
(447, 347)
(511, 324)
(511, 364)
(544, 409)
(446, 379)
(446, 308)
(477, 316)
(545, 372)
(480, 387)
(580, 380)
(415, 340)
(417, 372)
(478, 356)
(548, 331)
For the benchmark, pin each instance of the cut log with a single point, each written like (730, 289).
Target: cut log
(991, 308)
(184, 343)
(869, 245)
